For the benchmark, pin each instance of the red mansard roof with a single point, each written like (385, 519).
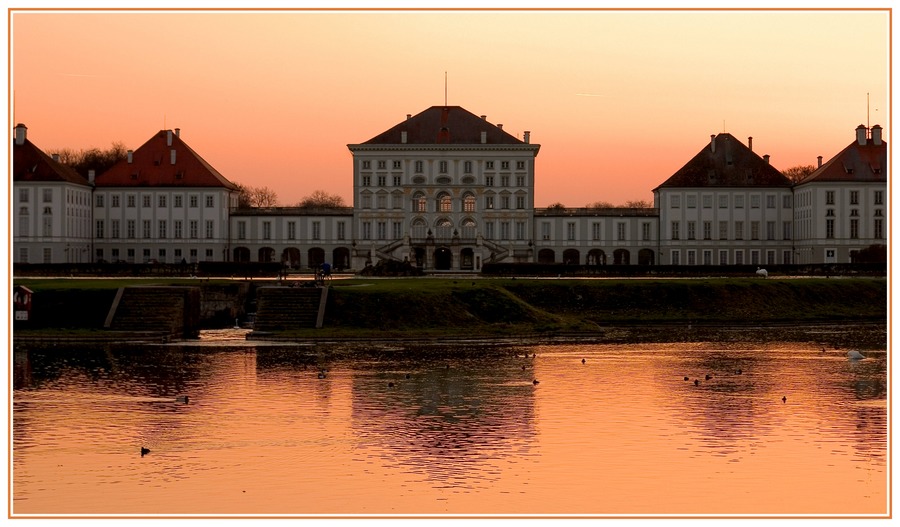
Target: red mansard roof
(731, 165)
(857, 163)
(30, 163)
(451, 125)
(151, 166)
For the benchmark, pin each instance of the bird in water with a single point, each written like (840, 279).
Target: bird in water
(583, 361)
(182, 399)
(144, 451)
(390, 385)
(738, 372)
(321, 375)
(696, 382)
(855, 355)
(535, 382)
(687, 378)
(708, 376)
(523, 367)
(784, 399)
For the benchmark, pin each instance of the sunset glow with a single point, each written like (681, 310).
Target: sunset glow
(619, 100)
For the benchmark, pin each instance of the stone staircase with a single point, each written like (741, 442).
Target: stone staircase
(168, 311)
(286, 308)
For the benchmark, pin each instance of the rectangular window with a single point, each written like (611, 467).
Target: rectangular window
(193, 229)
(754, 230)
(707, 230)
(129, 229)
(418, 166)
(676, 228)
(99, 228)
(707, 201)
(397, 181)
(145, 201)
(177, 199)
(786, 201)
(210, 229)
(267, 230)
(786, 257)
(829, 197)
(489, 181)
(620, 231)
(723, 201)
(23, 254)
(504, 230)
(754, 201)
(786, 230)
(770, 257)
(47, 195)
(162, 200)
(675, 202)
(723, 257)
(691, 200)
(163, 229)
(382, 165)
(504, 165)
(489, 230)
(520, 202)
(209, 201)
(770, 230)
(193, 254)
(879, 197)
(114, 229)
(316, 230)
(341, 231)
(504, 181)
(130, 200)
(739, 257)
(381, 199)
(829, 228)
(396, 230)
(520, 181)
(520, 165)
(367, 230)
(241, 230)
(146, 253)
(504, 202)
(467, 167)
(770, 201)
(23, 195)
(367, 181)
(146, 228)
(692, 257)
(645, 231)
(545, 230)
(193, 200)
(114, 201)
(596, 230)
(739, 201)
(397, 165)
(676, 257)
(878, 228)
(367, 201)
(442, 167)
(570, 230)
(99, 200)
(723, 230)
(161, 254)
(754, 257)
(520, 230)
(707, 257)
(382, 181)
(178, 229)
(366, 165)
(854, 197)
(292, 230)
(489, 165)
(489, 202)
(854, 228)
(738, 230)
(381, 230)
(691, 230)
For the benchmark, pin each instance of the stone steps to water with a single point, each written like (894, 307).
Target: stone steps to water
(158, 309)
(286, 308)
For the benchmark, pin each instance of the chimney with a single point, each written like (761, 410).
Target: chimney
(130, 156)
(750, 143)
(861, 135)
(91, 174)
(712, 143)
(527, 136)
(483, 137)
(403, 136)
(56, 157)
(876, 135)
(168, 137)
(408, 116)
(172, 155)
(484, 117)
(500, 126)
(178, 132)
(820, 162)
(766, 157)
(20, 134)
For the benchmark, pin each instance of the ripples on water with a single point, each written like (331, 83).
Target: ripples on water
(460, 430)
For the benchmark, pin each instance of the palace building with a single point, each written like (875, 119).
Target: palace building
(447, 190)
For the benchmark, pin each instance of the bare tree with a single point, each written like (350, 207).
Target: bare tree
(256, 197)
(556, 206)
(797, 173)
(600, 205)
(82, 161)
(321, 199)
(638, 204)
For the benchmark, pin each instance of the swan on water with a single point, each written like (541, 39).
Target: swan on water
(762, 272)
(855, 355)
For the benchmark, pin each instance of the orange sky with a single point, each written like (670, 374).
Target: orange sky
(618, 100)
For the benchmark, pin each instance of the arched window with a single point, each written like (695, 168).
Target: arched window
(469, 203)
(444, 202)
(420, 203)
(444, 222)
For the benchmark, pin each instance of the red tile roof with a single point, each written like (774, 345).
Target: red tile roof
(731, 165)
(856, 163)
(451, 125)
(151, 166)
(30, 163)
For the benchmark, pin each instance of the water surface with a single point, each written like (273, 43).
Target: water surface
(608, 430)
